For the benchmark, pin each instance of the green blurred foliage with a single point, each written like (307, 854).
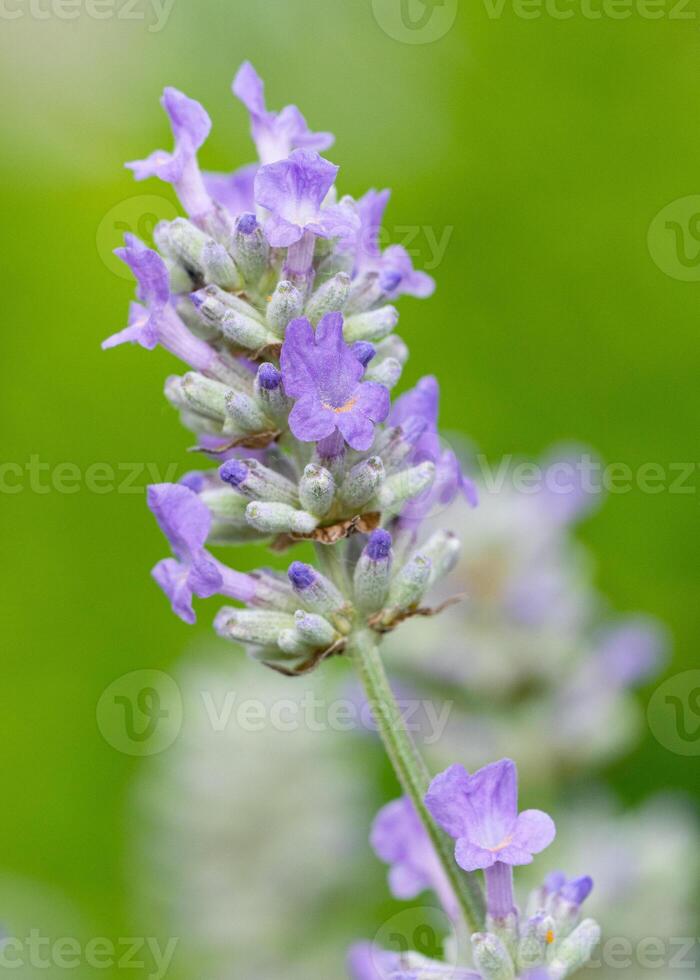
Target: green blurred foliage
(544, 147)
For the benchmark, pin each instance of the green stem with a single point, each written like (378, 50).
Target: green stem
(411, 770)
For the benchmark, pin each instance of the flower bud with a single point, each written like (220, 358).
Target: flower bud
(365, 291)
(290, 641)
(386, 372)
(396, 445)
(270, 394)
(373, 572)
(273, 518)
(273, 591)
(244, 331)
(225, 505)
(409, 585)
(314, 629)
(362, 482)
(285, 305)
(204, 395)
(315, 591)
(258, 482)
(393, 346)
(317, 490)
(443, 549)
(260, 627)
(218, 266)
(188, 311)
(364, 351)
(576, 950)
(250, 249)
(372, 325)
(491, 957)
(329, 298)
(405, 485)
(536, 935)
(213, 302)
(246, 413)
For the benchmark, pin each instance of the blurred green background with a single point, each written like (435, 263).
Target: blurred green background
(542, 148)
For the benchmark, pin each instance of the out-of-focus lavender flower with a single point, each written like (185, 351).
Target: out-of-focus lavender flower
(235, 191)
(191, 125)
(399, 839)
(323, 375)
(394, 266)
(417, 411)
(275, 134)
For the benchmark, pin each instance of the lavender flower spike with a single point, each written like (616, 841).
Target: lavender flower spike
(275, 134)
(481, 812)
(293, 191)
(185, 520)
(153, 321)
(191, 125)
(320, 371)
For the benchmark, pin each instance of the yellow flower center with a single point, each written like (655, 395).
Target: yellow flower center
(342, 409)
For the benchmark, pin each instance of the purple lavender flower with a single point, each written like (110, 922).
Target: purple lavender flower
(293, 191)
(191, 125)
(574, 890)
(274, 134)
(153, 321)
(481, 812)
(394, 266)
(368, 962)
(236, 191)
(417, 412)
(399, 839)
(185, 520)
(320, 371)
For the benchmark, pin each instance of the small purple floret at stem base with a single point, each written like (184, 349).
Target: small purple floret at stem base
(379, 545)
(301, 576)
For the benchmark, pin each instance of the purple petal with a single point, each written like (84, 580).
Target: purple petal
(182, 516)
(297, 360)
(396, 262)
(357, 430)
(142, 330)
(493, 798)
(534, 830)
(172, 577)
(373, 400)
(191, 126)
(249, 87)
(421, 401)
(234, 191)
(447, 800)
(370, 208)
(150, 272)
(310, 421)
(471, 857)
(368, 962)
(294, 189)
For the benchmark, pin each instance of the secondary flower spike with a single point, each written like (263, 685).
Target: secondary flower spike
(324, 376)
